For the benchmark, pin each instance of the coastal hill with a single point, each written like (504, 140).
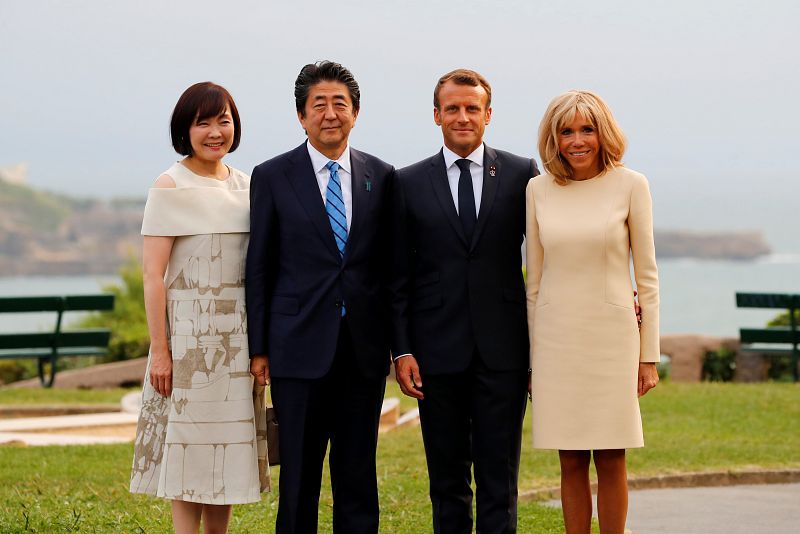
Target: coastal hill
(44, 233)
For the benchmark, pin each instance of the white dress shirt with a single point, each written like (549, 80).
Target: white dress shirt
(319, 162)
(454, 173)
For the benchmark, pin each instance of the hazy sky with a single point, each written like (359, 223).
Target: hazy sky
(705, 90)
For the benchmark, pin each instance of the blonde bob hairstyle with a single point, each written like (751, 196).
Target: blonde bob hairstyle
(561, 112)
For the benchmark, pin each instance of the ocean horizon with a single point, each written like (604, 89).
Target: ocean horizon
(697, 296)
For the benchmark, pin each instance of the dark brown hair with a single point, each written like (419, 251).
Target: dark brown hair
(463, 77)
(201, 101)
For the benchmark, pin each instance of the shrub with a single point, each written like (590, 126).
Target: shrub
(719, 366)
(11, 371)
(127, 321)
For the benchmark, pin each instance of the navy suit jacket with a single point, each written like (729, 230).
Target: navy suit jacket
(450, 296)
(296, 280)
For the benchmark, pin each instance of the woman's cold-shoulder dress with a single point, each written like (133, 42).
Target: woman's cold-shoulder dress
(585, 344)
(206, 443)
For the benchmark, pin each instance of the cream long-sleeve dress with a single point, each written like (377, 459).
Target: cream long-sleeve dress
(206, 443)
(585, 344)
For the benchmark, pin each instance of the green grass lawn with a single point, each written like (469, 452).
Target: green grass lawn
(703, 427)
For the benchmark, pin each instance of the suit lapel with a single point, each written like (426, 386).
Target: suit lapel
(304, 182)
(438, 175)
(491, 180)
(362, 193)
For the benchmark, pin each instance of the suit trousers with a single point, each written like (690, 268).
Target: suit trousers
(341, 408)
(473, 420)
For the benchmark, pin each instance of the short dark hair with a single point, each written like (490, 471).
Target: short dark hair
(201, 101)
(314, 73)
(463, 77)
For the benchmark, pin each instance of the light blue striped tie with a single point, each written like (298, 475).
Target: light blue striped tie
(334, 205)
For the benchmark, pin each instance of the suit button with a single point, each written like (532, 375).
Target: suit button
(338, 303)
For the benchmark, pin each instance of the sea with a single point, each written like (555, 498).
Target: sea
(697, 296)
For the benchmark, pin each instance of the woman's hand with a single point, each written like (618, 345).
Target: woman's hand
(161, 371)
(648, 377)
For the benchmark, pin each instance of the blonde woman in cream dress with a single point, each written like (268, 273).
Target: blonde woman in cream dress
(585, 219)
(201, 438)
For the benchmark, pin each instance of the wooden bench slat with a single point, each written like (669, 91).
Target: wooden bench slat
(20, 354)
(775, 334)
(767, 300)
(29, 304)
(79, 338)
(54, 304)
(89, 302)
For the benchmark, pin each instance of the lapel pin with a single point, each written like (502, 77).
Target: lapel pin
(368, 185)
(492, 171)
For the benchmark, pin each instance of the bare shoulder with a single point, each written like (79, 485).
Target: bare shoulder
(164, 181)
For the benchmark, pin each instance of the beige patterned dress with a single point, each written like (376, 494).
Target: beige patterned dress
(207, 442)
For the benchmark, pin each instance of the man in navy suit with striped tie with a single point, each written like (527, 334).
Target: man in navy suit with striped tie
(317, 306)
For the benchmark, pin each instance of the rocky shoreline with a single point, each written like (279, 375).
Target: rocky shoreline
(741, 246)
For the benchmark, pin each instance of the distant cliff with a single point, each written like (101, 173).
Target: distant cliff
(711, 245)
(43, 233)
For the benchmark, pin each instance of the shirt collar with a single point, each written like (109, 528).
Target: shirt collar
(319, 160)
(450, 157)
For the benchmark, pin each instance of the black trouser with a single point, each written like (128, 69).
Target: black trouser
(342, 408)
(473, 419)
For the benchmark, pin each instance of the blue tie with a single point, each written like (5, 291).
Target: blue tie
(334, 205)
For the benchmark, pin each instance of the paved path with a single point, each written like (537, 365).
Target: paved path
(118, 427)
(81, 429)
(765, 508)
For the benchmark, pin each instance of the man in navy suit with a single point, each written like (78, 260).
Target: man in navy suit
(460, 334)
(316, 304)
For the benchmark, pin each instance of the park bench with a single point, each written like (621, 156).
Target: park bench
(773, 339)
(47, 347)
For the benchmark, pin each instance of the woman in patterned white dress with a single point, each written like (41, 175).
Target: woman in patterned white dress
(201, 438)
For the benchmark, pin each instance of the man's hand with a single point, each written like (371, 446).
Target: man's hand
(406, 370)
(259, 368)
(648, 377)
(161, 371)
(637, 309)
